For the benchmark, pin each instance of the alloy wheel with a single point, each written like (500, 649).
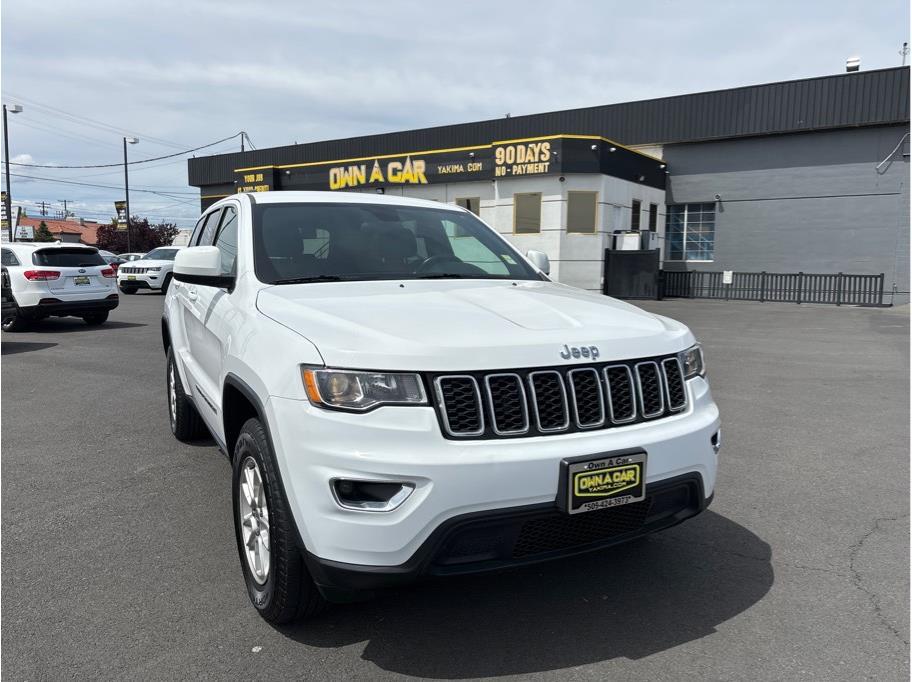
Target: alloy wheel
(254, 517)
(172, 396)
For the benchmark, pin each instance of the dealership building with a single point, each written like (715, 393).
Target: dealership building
(807, 176)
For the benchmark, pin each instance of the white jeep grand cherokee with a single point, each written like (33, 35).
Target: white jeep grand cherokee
(152, 271)
(402, 394)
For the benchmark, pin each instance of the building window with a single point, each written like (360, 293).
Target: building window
(582, 209)
(635, 208)
(690, 232)
(527, 213)
(653, 217)
(472, 204)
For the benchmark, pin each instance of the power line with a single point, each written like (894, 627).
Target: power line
(69, 135)
(119, 170)
(43, 207)
(164, 193)
(94, 123)
(131, 163)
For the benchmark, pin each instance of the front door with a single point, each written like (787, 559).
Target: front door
(206, 312)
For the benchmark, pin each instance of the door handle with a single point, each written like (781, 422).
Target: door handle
(191, 293)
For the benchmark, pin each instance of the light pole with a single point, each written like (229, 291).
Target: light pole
(14, 109)
(126, 141)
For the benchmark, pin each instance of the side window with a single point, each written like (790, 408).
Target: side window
(227, 240)
(472, 251)
(315, 242)
(194, 236)
(9, 258)
(207, 234)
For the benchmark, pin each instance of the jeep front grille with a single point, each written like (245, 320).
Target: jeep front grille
(132, 270)
(461, 402)
(545, 401)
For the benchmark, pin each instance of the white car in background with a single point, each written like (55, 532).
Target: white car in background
(152, 271)
(58, 280)
(129, 257)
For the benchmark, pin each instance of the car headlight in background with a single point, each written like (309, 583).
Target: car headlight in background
(153, 269)
(359, 391)
(692, 361)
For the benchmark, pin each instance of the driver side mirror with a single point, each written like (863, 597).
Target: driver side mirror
(540, 261)
(201, 265)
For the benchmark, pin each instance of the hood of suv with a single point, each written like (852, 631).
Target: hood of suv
(445, 325)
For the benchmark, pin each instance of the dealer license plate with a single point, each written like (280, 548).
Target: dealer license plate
(603, 482)
(81, 280)
(131, 276)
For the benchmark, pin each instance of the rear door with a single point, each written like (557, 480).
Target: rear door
(79, 267)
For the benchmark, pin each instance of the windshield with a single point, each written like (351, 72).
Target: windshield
(326, 242)
(160, 254)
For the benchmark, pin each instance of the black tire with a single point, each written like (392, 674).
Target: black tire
(186, 423)
(95, 319)
(129, 291)
(289, 592)
(16, 323)
(166, 283)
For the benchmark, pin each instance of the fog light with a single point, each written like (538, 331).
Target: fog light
(716, 441)
(382, 496)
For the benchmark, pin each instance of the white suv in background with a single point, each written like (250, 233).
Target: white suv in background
(402, 394)
(58, 280)
(152, 271)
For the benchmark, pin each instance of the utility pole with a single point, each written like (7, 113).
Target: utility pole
(126, 141)
(65, 212)
(44, 207)
(904, 51)
(242, 140)
(14, 109)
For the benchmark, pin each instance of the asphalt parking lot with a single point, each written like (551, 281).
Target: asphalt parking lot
(119, 557)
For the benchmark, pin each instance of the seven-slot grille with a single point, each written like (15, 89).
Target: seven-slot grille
(130, 270)
(559, 400)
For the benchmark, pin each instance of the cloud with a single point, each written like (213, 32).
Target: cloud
(287, 71)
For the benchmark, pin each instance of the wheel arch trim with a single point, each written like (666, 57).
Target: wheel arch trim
(237, 383)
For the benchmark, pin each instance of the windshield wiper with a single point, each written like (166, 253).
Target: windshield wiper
(305, 280)
(444, 275)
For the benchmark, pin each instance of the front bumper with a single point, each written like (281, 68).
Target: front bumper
(142, 281)
(505, 538)
(451, 478)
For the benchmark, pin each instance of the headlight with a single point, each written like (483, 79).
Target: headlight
(154, 269)
(692, 361)
(360, 391)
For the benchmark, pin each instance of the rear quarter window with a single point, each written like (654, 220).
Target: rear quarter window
(67, 258)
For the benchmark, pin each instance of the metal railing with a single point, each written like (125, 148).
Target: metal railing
(797, 287)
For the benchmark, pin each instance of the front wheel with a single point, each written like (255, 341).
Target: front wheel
(278, 583)
(95, 319)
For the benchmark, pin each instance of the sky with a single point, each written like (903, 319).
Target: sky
(179, 75)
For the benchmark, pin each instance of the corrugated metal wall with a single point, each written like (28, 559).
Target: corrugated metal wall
(857, 99)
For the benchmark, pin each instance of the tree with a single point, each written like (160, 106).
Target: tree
(143, 236)
(43, 234)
